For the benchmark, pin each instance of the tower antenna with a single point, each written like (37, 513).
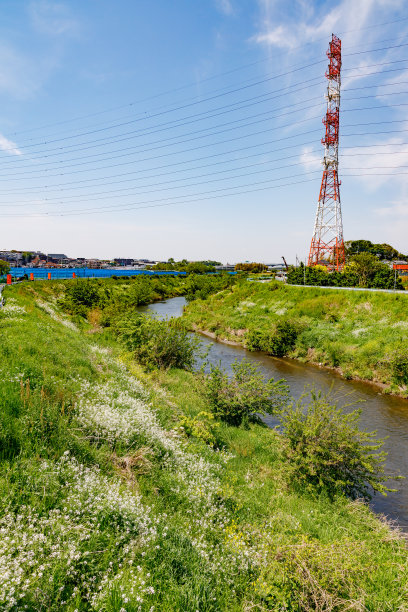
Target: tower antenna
(327, 246)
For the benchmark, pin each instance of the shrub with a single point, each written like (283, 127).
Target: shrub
(244, 397)
(399, 364)
(200, 287)
(256, 340)
(277, 343)
(4, 267)
(202, 426)
(82, 295)
(326, 451)
(157, 344)
(283, 340)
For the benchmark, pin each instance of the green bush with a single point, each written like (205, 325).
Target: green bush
(82, 295)
(277, 343)
(200, 287)
(157, 344)
(399, 364)
(4, 267)
(202, 426)
(326, 451)
(283, 340)
(245, 396)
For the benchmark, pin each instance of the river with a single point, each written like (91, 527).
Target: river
(386, 414)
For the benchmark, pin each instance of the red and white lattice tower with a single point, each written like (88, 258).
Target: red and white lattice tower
(327, 247)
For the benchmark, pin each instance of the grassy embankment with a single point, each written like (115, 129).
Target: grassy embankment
(360, 334)
(105, 505)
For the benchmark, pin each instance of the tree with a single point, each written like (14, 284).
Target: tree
(365, 266)
(382, 251)
(4, 267)
(27, 257)
(251, 267)
(244, 397)
(326, 451)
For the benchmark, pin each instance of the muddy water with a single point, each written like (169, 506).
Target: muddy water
(388, 415)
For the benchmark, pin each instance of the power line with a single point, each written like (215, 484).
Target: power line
(261, 81)
(162, 143)
(255, 100)
(131, 104)
(192, 199)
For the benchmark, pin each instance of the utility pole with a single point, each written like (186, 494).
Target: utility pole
(327, 246)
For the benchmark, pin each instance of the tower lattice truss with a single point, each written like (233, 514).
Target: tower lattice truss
(327, 247)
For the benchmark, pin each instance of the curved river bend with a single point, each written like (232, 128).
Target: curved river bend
(386, 414)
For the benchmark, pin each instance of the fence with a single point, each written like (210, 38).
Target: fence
(43, 273)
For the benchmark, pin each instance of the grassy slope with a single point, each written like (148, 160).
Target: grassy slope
(135, 516)
(356, 332)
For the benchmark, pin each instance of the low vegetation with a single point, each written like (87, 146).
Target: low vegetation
(362, 270)
(360, 334)
(124, 490)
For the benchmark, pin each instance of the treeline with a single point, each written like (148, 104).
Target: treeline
(251, 267)
(191, 267)
(363, 270)
(382, 251)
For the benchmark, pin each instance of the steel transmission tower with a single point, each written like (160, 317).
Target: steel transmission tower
(327, 247)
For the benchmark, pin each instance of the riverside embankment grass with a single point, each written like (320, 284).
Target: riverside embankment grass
(363, 335)
(107, 505)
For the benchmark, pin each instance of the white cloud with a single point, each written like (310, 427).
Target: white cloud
(18, 74)
(52, 18)
(311, 161)
(395, 209)
(311, 25)
(225, 6)
(377, 165)
(9, 146)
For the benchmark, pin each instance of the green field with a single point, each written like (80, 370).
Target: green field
(360, 334)
(107, 505)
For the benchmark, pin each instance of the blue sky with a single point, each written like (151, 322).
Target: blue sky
(159, 128)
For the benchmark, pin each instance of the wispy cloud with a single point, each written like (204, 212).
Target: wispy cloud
(225, 6)
(52, 18)
(310, 160)
(9, 146)
(396, 209)
(310, 25)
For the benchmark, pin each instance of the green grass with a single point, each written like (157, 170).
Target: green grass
(361, 334)
(105, 505)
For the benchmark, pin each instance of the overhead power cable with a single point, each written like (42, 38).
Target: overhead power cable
(188, 198)
(189, 104)
(79, 184)
(162, 143)
(254, 101)
(217, 191)
(206, 79)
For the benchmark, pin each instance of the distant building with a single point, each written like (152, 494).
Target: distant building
(120, 261)
(225, 268)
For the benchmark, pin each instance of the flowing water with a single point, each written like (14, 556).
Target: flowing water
(386, 414)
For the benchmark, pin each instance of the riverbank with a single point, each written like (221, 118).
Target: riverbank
(360, 335)
(108, 504)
